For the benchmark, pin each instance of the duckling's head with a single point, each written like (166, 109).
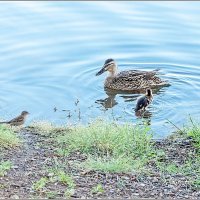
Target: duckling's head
(110, 66)
(24, 113)
(148, 92)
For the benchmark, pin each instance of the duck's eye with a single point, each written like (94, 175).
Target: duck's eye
(107, 67)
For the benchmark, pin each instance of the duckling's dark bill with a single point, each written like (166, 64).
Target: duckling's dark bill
(100, 72)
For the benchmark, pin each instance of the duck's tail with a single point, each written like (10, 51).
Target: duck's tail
(156, 70)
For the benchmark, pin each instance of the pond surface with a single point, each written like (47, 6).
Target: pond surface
(50, 52)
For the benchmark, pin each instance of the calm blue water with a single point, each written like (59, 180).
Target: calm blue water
(50, 52)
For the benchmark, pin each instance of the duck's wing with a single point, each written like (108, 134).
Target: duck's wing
(126, 83)
(133, 79)
(142, 103)
(133, 73)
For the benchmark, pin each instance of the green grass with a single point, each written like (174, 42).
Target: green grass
(109, 146)
(45, 128)
(42, 127)
(65, 179)
(62, 152)
(2, 186)
(97, 189)
(193, 130)
(52, 194)
(7, 137)
(115, 164)
(196, 183)
(169, 168)
(5, 166)
(58, 175)
(40, 184)
(190, 167)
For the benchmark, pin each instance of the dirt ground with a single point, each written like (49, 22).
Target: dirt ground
(37, 155)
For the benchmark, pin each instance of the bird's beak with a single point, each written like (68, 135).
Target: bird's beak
(101, 71)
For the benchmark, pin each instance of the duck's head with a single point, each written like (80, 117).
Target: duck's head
(110, 66)
(25, 113)
(148, 92)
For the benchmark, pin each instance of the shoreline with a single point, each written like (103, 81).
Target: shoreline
(39, 169)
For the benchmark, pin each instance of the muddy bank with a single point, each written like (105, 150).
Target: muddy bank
(36, 159)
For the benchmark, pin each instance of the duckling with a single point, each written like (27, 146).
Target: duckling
(144, 101)
(17, 121)
(131, 80)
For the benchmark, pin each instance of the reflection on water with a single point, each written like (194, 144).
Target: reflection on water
(50, 52)
(110, 101)
(144, 114)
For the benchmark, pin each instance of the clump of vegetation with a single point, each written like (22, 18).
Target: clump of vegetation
(52, 194)
(193, 130)
(65, 179)
(40, 184)
(189, 167)
(46, 128)
(58, 175)
(97, 189)
(7, 137)
(42, 127)
(5, 166)
(169, 168)
(109, 146)
(196, 183)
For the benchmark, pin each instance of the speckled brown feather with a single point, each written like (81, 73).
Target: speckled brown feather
(134, 80)
(17, 121)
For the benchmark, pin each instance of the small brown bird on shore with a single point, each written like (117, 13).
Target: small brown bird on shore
(17, 121)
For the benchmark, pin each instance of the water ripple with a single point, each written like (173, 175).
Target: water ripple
(50, 52)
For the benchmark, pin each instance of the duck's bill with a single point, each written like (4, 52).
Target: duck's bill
(100, 72)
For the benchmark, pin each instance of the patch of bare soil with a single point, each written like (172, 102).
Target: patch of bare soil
(37, 157)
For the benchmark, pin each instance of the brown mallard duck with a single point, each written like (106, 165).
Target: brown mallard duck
(131, 80)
